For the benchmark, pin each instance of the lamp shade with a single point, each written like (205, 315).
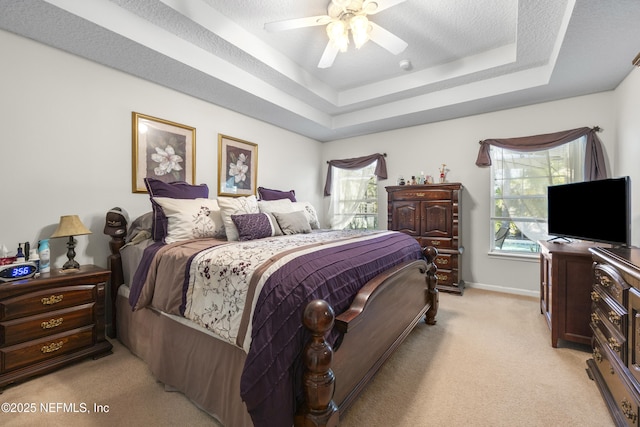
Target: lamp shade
(70, 225)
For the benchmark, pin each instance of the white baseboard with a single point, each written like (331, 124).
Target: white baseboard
(505, 290)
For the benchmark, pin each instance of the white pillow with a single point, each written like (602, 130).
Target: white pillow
(280, 205)
(310, 212)
(236, 206)
(191, 218)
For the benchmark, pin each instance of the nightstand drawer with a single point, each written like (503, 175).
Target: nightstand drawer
(447, 261)
(25, 354)
(47, 300)
(33, 327)
(447, 277)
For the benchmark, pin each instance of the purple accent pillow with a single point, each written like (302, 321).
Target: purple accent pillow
(255, 226)
(268, 194)
(174, 190)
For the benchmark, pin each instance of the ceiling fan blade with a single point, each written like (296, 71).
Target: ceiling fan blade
(387, 40)
(328, 56)
(290, 24)
(371, 7)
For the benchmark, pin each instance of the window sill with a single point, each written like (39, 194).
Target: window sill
(534, 257)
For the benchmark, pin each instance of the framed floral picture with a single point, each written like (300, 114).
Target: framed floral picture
(237, 166)
(162, 150)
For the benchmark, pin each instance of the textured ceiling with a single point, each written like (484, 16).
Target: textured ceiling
(467, 56)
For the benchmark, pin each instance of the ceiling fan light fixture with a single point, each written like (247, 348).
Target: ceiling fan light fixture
(360, 29)
(337, 32)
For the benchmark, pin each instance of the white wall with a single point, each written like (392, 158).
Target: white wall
(66, 145)
(628, 155)
(455, 143)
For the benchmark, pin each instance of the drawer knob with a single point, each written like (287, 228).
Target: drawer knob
(53, 299)
(595, 297)
(595, 317)
(435, 243)
(54, 346)
(627, 410)
(614, 344)
(442, 261)
(53, 323)
(614, 318)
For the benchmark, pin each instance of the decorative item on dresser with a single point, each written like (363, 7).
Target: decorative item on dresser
(615, 321)
(51, 321)
(565, 288)
(431, 214)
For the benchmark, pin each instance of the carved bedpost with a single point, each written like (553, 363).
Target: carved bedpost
(430, 254)
(318, 381)
(115, 226)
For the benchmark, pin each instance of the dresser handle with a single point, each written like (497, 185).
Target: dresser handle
(54, 346)
(614, 318)
(627, 410)
(442, 261)
(595, 297)
(614, 344)
(435, 243)
(597, 356)
(441, 277)
(53, 299)
(595, 317)
(419, 194)
(605, 281)
(53, 323)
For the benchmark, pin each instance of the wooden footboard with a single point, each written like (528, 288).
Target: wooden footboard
(382, 315)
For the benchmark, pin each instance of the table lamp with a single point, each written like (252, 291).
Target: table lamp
(69, 226)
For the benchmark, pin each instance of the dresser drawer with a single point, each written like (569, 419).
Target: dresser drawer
(437, 242)
(447, 277)
(447, 261)
(421, 194)
(608, 280)
(47, 300)
(608, 315)
(615, 342)
(33, 327)
(31, 352)
(624, 399)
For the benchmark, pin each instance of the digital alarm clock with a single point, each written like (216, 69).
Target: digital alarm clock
(17, 271)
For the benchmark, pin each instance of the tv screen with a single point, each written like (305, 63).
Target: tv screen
(598, 211)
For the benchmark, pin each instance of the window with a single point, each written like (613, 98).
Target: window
(519, 198)
(354, 198)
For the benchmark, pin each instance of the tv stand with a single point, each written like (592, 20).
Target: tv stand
(565, 290)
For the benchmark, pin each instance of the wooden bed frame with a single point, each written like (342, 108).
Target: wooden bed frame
(381, 316)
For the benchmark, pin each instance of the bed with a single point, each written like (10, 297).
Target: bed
(272, 330)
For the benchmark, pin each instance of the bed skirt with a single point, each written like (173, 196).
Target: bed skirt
(187, 359)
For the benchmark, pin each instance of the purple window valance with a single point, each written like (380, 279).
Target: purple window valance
(357, 163)
(594, 169)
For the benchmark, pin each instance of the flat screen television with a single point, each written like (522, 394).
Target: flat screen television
(598, 211)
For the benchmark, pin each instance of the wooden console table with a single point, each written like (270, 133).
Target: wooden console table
(566, 279)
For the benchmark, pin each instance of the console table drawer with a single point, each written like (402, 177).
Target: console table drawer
(34, 327)
(47, 300)
(29, 353)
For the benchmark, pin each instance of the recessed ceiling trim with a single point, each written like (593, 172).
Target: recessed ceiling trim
(472, 64)
(116, 19)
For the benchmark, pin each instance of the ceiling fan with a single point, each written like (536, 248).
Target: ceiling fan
(344, 16)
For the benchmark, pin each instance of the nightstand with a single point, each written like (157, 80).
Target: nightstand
(51, 321)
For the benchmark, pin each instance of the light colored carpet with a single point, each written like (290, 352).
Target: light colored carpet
(487, 362)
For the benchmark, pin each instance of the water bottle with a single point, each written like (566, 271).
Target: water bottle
(45, 256)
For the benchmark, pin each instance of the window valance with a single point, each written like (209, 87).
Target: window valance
(357, 163)
(594, 169)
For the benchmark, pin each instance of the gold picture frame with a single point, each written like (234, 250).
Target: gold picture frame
(237, 167)
(163, 150)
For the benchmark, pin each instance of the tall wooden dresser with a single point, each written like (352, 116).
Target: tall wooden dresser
(615, 321)
(431, 214)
